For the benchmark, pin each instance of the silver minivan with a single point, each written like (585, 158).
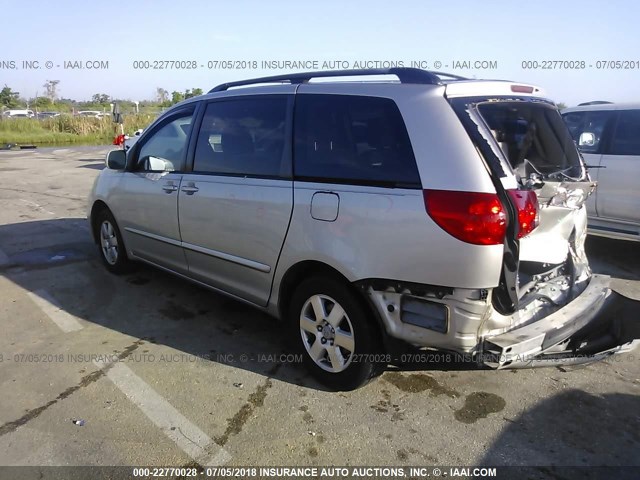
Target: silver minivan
(426, 210)
(608, 135)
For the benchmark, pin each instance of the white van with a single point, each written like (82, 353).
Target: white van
(608, 136)
(18, 113)
(90, 114)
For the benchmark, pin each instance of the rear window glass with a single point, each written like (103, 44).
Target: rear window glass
(352, 139)
(533, 138)
(626, 139)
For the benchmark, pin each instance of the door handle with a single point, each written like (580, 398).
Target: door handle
(169, 187)
(190, 190)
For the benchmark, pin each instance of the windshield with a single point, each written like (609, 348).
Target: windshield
(533, 138)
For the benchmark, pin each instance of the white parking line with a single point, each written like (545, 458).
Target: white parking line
(187, 436)
(50, 306)
(4, 259)
(193, 441)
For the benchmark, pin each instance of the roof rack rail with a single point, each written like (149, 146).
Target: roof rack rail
(595, 102)
(449, 75)
(405, 75)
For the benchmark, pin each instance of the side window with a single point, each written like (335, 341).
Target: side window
(243, 137)
(164, 150)
(352, 139)
(594, 123)
(626, 139)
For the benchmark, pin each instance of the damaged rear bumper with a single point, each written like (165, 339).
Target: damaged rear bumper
(595, 325)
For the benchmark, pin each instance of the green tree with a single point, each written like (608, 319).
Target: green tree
(8, 98)
(194, 92)
(561, 105)
(41, 103)
(100, 98)
(176, 97)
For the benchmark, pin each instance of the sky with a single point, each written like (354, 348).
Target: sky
(441, 35)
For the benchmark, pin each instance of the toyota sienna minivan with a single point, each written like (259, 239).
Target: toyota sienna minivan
(415, 207)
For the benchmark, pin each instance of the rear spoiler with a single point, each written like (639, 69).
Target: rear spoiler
(490, 88)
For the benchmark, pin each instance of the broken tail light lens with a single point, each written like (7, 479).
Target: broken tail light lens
(526, 202)
(473, 217)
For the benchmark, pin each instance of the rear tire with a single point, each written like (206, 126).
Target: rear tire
(110, 243)
(339, 343)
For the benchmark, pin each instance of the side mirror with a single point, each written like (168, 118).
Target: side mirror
(587, 139)
(116, 159)
(157, 164)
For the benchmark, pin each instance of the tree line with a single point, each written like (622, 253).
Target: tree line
(50, 100)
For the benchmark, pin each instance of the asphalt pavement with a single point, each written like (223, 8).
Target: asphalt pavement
(147, 369)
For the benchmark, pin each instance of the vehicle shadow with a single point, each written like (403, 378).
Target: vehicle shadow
(618, 258)
(146, 304)
(161, 308)
(94, 166)
(571, 429)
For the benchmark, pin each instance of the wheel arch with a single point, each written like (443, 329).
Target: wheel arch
(310, 268)
(98, 206)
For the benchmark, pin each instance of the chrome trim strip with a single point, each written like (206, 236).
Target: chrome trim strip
(202, 284)
(261, 267)
(170, 241)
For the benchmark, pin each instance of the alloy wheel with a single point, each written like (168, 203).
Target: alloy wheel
(109, 242)
(327, 333)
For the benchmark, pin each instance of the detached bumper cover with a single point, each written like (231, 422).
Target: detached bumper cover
(595, 325)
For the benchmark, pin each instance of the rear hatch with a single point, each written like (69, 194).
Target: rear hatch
(531, 158)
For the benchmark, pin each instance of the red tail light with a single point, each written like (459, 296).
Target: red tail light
(472, 217)
(526, 201)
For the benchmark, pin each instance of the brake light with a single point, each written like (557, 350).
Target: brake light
(472, 217)
(526, 202)
(521, 89)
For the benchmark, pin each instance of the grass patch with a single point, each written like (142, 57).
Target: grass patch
(67, 129)
(52, 138)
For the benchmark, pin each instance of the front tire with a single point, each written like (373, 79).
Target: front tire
(338, 340)
(110, 243)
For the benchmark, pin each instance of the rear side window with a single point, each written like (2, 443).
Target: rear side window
(352, 139)
(243, 137)
(626, 139)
